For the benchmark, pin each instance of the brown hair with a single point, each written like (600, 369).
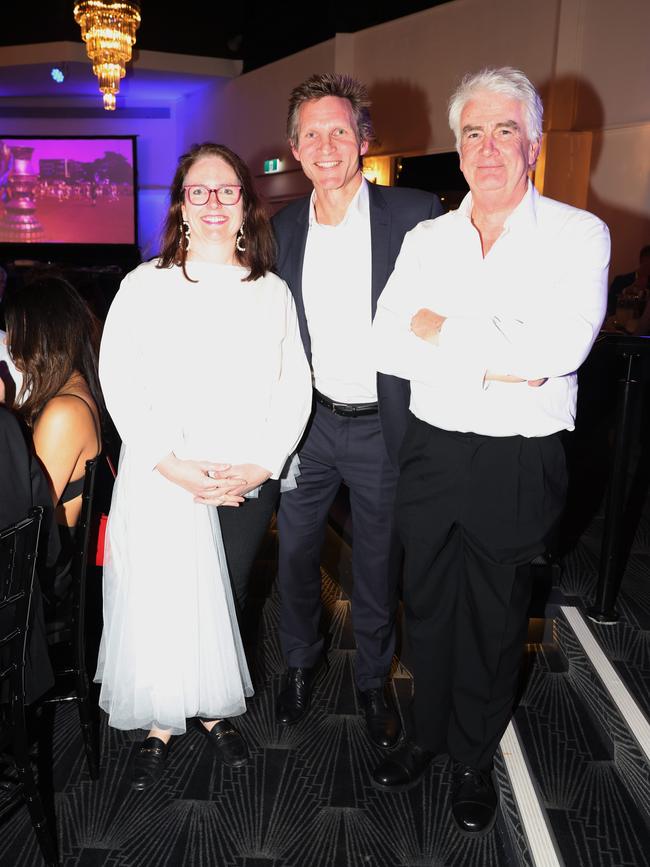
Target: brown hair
(51, 334)
(259, 256)
(331, 84)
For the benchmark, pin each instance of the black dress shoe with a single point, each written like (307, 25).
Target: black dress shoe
(402, 769)
(293, 701)
(473, 800)
(381, 719)
(149, 763)
(227, 743)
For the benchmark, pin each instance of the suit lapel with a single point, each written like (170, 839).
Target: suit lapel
(380, 224)
(295, 259)
(379, 242)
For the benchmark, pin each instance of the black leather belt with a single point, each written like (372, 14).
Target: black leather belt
(350, 410)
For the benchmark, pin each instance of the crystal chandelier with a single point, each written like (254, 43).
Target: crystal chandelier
(108, 29)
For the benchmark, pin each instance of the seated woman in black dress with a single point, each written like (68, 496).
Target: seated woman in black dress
(53, 338)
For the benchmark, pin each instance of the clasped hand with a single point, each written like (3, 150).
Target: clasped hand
(246, 477)
(211, 483)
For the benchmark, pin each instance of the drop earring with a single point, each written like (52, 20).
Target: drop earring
(239, 244)
(186, 233)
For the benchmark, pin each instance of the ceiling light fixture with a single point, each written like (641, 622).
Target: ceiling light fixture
(108, 29)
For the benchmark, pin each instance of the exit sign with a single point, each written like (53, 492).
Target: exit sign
(272, 166)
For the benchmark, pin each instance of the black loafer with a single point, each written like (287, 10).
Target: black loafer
(473, 800)
(382, 720)
(227, 743)
(402, 769)
(149, 763)
(294, 699)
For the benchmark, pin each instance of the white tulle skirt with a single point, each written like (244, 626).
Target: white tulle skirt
(170, 648)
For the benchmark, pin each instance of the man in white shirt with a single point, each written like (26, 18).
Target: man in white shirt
(336, 249)
(505, 293)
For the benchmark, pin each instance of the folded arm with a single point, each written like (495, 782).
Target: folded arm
(557, 338)
(414, 342)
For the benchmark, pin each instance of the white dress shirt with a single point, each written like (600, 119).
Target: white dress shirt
(531, 308)
(337, 294)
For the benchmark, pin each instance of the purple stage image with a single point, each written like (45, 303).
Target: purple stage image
(67, 191)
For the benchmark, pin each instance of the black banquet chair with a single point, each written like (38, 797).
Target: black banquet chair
(68, 651)
(18, 547)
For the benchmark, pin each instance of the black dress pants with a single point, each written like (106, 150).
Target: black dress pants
(243, 530)
(350, 450)
(472, 512)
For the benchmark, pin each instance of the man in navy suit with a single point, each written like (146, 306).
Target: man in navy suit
(336, 250)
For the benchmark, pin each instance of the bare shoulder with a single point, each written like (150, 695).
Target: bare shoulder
(66, 413)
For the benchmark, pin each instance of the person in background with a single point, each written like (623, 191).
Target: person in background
(638, 280)
(642, 324)
(336, 249)
(53, 340)
(207, 382)
(470, 317)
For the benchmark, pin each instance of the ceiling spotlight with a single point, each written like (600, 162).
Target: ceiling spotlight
(57, 74)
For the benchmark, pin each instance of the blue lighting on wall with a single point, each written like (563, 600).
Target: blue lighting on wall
(57, 74)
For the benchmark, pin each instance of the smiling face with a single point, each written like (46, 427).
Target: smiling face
(328, 149)
(495, 152)
(213, 226)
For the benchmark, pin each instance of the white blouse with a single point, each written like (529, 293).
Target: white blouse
(213, 370)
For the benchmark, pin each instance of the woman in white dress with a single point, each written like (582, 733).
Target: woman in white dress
(205, 377)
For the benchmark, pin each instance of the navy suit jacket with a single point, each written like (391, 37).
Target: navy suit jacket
(393, 212)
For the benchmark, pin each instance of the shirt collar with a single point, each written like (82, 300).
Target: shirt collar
(359, 207)
(525, 214)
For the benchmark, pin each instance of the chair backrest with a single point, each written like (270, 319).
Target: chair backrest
(85, 522)
(18, 550)
(84, 533)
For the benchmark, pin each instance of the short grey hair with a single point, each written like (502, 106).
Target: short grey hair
(507, 81)
(331, 84)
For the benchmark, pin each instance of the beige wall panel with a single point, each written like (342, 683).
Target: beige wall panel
(615, 63)
(412, 65)
(620, 190)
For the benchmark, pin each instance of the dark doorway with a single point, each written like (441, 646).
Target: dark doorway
(436, 173)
